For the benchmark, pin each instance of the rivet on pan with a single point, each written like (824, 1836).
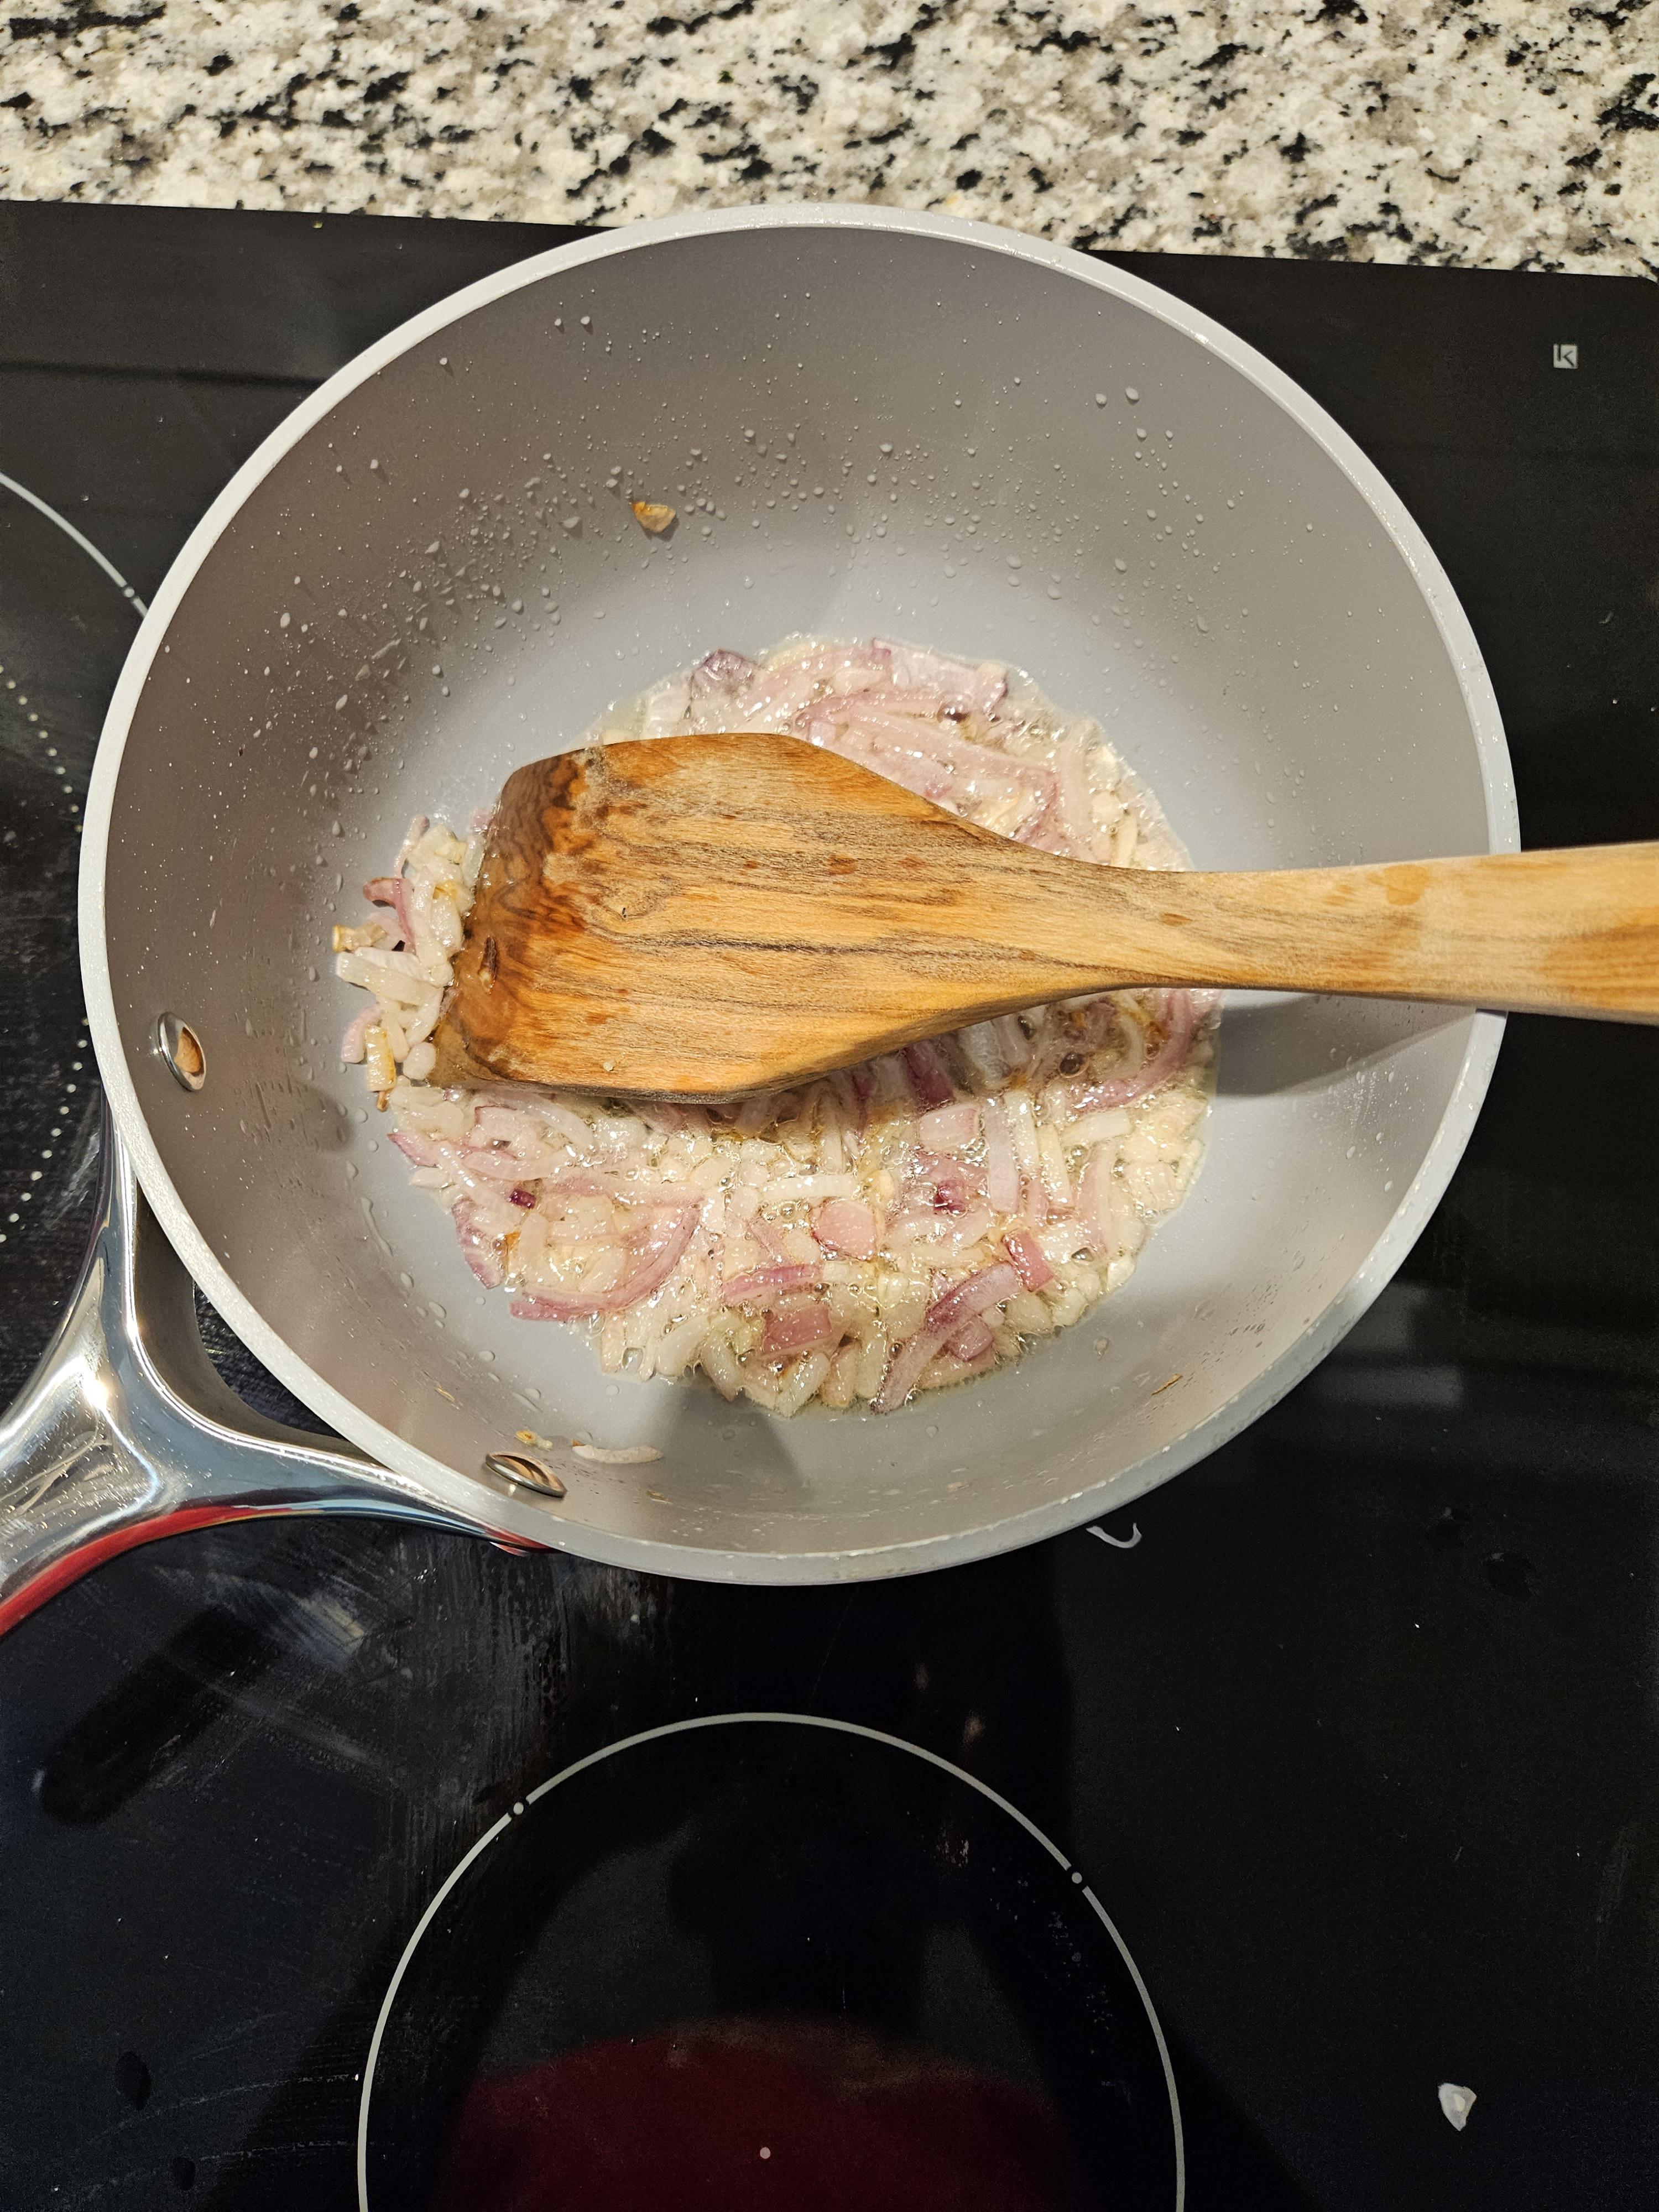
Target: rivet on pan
(181, 1048)
(533, 1473)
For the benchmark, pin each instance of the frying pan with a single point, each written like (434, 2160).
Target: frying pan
(869, 421)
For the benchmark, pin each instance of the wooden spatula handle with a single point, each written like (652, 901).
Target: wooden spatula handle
(694, 917)
(1575, 932)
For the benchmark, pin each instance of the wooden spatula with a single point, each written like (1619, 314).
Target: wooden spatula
(690, 917)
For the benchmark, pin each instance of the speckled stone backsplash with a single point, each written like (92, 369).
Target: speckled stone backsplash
(1503, 133)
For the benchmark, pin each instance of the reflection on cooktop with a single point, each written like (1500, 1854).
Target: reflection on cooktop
(67, 617)
(767, 1960)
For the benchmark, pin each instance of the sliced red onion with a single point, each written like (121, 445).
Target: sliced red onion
(393, 891)
(877, 707)
(723, 666)
(563, 1123)
(1094, 1200)
(419, 1151)
(929, 1077)
(926, 757)
(1074, 806)
(753, 1113)
(776, 701)
(836, 663)
(583, 1182)
(654, 1252)
(589, 1182)
(803, 1325)
(952, 1186)
(991, 1286)
(763, 1286)
(975, 1294)
(661, 1114)
(950, 1128)
(904, 1371)
(501, 1125)
(1026, 1254)
(979, 772)
(770, 1237)
(920, 773)
(1015, 1045)
(919, 1231)
(1179, 1015)
(839, 1081)
(417, 829)
(973, 1340)
(1001, 1162)
(480, 1250)
(501, 1166)
(522, 1197)
(891, 1094)
(969, 687)
(847, 1226)
(355, 1043)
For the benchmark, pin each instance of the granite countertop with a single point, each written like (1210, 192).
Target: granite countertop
(1474, 131)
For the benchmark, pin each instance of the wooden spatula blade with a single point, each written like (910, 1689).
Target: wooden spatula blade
(699, 916)
(692, 917)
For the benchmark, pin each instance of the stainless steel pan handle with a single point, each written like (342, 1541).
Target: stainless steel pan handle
(125, 1433)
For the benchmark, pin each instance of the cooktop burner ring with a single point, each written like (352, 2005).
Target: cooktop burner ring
(1033, 1851)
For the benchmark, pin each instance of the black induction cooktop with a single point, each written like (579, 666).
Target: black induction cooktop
(343, 1861)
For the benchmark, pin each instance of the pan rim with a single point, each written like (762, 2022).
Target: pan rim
(527, 1519)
